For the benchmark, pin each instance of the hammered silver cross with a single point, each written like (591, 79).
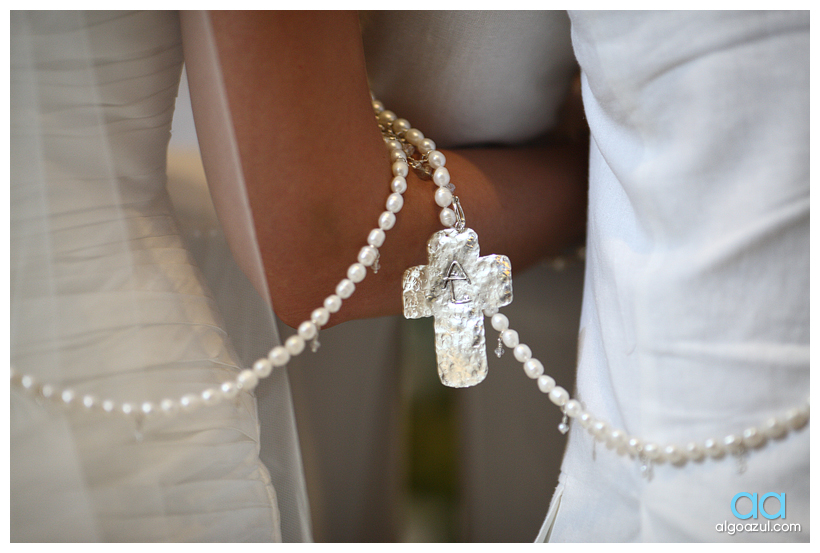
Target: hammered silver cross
(455, 288)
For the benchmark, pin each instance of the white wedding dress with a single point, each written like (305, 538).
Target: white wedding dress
(106, 299)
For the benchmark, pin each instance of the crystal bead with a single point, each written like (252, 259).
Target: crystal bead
(499, 351)
(563, 428)
(646, 468)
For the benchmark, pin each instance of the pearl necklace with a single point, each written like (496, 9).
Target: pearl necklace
(408, 148)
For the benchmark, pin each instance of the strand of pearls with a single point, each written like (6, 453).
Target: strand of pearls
(408, 148)
(647, 452)
(401, 141)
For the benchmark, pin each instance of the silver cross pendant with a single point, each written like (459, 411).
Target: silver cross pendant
(456, 287)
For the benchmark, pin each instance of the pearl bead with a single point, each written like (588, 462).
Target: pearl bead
(108, 406)
(773, 428)
(320, 316)
(522, 353)
(559, 396)
(533, 368)
(510, 338)
(599, 430)
(333, 303)
(28, 382)
(386, 220)
(394, 202)
(307, 330)
(279, 356)
(441, 176)
(634, 446)
(615, 439)
(732, 442)
(126, 408)
(673, 454)
(713, 448)
(400, 168)
(367, 256)
(500, 322)
(752, 437)
(397, 155)
(345, 289)
(401, 125)
(546, 383)
(426, 146)
(573, 408)
(393, 145)
(210, 396)
(652, 451)
(295, 345)
(47, 391)
(376, 237)
(413, 136)
(168, 406)
(247, 380)
(586, 419)
(89, 401)
(263, 367)
(398, 185)
(436, 159)
(148, 408)
(67, 396)
(447, 217)
(694, 451)
(795, 418)
(386, 117)
(229, 389)
(378, 107)
(356, 273)
(443, 197)
(190, 402)
(490, 311)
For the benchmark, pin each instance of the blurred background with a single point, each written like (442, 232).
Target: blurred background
(391, 454)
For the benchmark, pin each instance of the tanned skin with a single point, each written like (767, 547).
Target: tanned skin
(317, 173)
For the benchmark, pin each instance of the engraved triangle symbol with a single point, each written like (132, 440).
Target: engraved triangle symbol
(456, 273)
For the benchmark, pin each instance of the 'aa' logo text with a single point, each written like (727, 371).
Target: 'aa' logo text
(759, 506)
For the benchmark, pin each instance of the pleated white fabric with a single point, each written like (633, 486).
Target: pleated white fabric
(107, 299)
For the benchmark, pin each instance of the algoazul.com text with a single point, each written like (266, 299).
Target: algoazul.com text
(732, 528)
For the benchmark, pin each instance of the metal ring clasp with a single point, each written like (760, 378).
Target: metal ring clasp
(461, 222)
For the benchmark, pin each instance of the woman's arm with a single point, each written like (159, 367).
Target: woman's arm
(317, 173)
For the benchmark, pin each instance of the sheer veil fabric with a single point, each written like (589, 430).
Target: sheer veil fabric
(108, 299)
